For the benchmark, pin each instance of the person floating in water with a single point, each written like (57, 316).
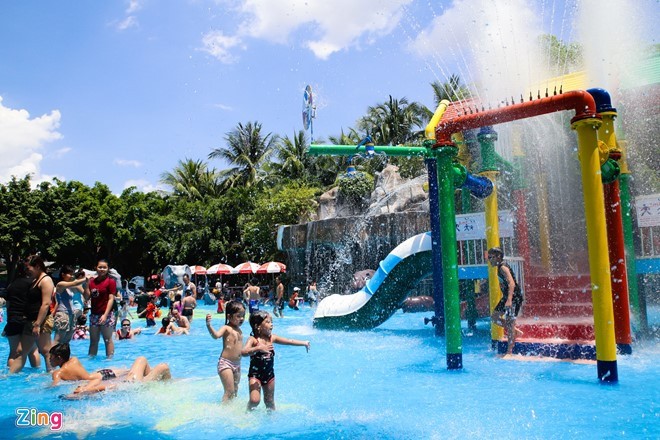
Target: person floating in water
(507, 309)
(229, 363)
(259, 347)
(70, 369)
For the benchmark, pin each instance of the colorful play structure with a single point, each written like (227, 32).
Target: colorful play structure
(602, 165)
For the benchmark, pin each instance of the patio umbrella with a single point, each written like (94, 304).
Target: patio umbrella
(272, 267)
(219, 269)
(247, 267)
(198, 270)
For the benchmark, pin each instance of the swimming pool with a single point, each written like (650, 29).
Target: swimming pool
(387, 383)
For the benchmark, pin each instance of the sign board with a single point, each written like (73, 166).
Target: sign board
(473, 226)
(648, 210)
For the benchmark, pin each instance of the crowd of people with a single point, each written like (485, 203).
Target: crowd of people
(43, 316)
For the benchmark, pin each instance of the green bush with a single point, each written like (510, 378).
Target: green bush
(355, 188)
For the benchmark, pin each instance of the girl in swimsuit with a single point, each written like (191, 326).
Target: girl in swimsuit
(229, 363)
(259, 347)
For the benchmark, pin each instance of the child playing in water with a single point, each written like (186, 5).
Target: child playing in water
(81, 328)
(507, 309)
(229, 363)
(259, 347)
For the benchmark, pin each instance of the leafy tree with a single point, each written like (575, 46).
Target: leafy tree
(355, 188)
(395, 122)
(192, 179)
(562, 58)
(18, 212)
(247, 150)
(451, 90)
(294, 159)
(290, 204)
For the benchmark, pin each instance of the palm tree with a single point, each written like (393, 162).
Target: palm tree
(451, 90)
(294, 160)
(192, 179)
(247, 151)
(395, 122)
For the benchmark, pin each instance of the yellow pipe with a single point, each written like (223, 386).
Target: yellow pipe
(429, 132)
(599, 263)
(622, 145)
(544, 220)
(463, 157)
(493, 240)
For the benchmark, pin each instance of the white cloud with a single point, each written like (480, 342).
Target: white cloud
(21, 140)
(223, 107)
(219, 45)
(58, 154)
(128, 163)
(128, 22)
(491, 44)
(332, 25)
(133, 6)
(144, 185)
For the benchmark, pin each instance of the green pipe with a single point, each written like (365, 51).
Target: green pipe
(347, 150)
(489, 158)
(444, 158)
(639, 315)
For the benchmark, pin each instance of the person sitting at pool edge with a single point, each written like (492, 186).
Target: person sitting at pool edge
(70, 369)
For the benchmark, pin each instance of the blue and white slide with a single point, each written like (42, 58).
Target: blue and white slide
(397, 275)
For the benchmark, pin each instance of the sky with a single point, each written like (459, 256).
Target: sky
(119, 91)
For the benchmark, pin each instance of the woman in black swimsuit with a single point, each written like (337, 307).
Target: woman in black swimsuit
(38, 322)
(16, 296)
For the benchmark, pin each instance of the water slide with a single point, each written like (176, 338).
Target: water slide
(397, 274)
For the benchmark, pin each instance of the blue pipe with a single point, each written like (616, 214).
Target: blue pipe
(602, 99)
(480, 186)
(436, 249)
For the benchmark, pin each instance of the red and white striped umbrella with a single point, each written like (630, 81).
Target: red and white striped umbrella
(219, 269)
(247, 267)
(272, 267)
(198, 270)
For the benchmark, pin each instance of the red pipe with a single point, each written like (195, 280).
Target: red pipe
(578, 100)
(619, 275)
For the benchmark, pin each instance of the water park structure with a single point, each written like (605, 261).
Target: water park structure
(592, 121)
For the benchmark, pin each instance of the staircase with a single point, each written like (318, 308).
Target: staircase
(556, 318)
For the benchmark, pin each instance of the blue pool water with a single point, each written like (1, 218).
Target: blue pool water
(387, 383)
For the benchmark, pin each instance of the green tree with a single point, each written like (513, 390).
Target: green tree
(295, 163)
(247, 150)
(290, 204)
(562, 57)
(18, 212)
(452, 90)
(192, 179)
(395, 122)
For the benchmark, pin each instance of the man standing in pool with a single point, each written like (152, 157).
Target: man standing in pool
(278, 308)
(507, 309)
(102, 320)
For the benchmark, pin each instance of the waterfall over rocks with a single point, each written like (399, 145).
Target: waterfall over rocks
(348, 238)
